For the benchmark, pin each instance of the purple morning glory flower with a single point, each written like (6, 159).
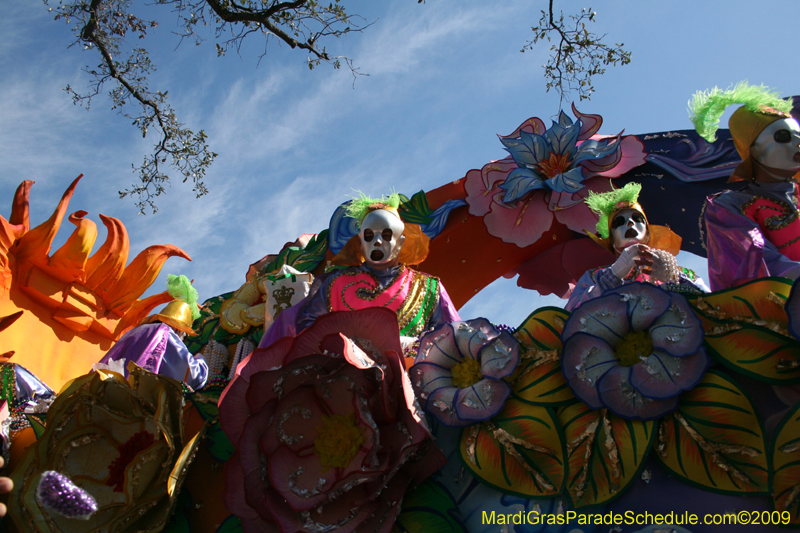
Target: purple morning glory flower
(634, 351)
(459, 370)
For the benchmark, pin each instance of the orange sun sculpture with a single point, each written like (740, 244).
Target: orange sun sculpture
(74, 305)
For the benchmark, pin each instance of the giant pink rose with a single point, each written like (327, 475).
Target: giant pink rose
(326, 429)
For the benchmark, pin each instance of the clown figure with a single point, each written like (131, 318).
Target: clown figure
(644, 252)
(157, 343)
(378, 274)
(753, 232)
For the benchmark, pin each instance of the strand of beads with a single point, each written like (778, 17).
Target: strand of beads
(670, 266)
(243, 349)
(216, 355)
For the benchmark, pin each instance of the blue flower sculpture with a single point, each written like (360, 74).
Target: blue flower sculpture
(634, 351)
(555, 160)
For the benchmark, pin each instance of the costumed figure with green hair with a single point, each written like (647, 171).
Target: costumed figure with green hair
(645, 252)
(753, 232)
(379, 274)
(157, 343)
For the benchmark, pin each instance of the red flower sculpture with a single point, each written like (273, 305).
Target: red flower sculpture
(327, 431)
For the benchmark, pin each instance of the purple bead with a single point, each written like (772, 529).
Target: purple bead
(59, 494)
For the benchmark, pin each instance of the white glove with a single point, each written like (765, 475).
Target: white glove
(626, 261)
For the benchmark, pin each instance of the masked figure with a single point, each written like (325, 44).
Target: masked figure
(644, 252)
(378, 274)
(753, 232)
(157, 343)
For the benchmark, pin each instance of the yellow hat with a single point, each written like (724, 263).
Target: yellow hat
(746, 126)
(177, 314)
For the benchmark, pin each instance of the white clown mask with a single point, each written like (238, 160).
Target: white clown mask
(628, 227)
(778, 145)
(381, 238)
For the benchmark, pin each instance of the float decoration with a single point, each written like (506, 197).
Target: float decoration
(785, 453)
(539, 379)
(548, 175)
(460, 368)
(747, 328)
(78, 303)
(121, 441)
(429, 507)
(333, 418)
(715, 439)
(605, 452)
(633, 351)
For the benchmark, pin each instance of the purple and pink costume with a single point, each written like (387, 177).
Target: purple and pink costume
(753, 233)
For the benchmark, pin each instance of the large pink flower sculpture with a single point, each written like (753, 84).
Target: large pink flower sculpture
(549, 173)
(634, 351)
(460, 371)
(326, 428)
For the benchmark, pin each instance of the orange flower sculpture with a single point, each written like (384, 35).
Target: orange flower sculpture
(75, 304)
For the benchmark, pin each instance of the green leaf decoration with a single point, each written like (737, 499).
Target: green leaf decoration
(538, 379)
(38, 423)
(715, 439)
(304, 259)
(746, 329)
(605, 452)
(786, 465)
(416, 209)
(217, 442)
(232, 524)
(179, 521)
(520, 451)
(428, 507)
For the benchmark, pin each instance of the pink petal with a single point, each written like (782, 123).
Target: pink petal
(235, 491)
(377, 324)
(633, 155)
(521, 224)
(294, 422)
(481, 185)
(579, 218)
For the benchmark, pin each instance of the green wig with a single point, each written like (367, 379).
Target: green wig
(604, 204)
(180, 288)
(706, 107)
(358, 208)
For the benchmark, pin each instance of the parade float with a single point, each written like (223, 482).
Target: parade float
(471, 427)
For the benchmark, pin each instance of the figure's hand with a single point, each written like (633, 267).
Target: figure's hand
(5, 486)
(634, 255)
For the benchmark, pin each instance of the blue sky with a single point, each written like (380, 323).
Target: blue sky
(443, 78)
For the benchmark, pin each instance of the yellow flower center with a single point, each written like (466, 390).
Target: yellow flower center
(634, 345)
(466, 373)
(338, 440)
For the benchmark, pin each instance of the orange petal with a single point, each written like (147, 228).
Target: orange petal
(140, 274)
(138, 310)
(19, 209)
(69, 261)
(107, 264)
(34, 246)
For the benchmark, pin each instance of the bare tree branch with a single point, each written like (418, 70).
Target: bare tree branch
(104, 25)
(577, 54)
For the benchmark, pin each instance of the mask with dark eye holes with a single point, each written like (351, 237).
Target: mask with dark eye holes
(381, 238)
(778, 146)
(628, 227)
